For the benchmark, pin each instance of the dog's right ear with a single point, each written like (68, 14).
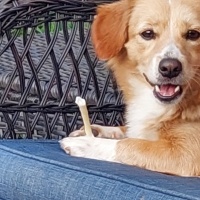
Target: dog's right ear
(109, 29)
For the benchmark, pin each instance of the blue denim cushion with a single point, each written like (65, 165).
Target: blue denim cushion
(34, 170)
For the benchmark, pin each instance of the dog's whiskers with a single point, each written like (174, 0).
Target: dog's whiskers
(196, 81)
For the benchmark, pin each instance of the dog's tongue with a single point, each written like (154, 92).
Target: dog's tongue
(167, 90)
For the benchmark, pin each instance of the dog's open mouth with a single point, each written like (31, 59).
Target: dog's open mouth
(167, 92)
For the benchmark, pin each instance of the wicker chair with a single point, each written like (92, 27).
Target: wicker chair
(46, 60)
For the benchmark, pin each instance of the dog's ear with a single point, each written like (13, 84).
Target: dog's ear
(109, 29)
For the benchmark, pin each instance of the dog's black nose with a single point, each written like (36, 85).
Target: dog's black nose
(170, 67)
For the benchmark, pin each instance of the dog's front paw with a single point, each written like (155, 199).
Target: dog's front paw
(77, 146)
(78, 133)
(101, 131)
(90, 147)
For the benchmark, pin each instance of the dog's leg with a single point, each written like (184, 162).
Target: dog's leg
(173, 155)
(90, 147)
(162, 156)
(102, 131)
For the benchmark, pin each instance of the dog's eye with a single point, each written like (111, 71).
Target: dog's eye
(148, 35)
(192, 35)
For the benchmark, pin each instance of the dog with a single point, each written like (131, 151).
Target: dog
(153, 50)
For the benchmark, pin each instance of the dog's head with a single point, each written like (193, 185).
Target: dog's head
(160, 41)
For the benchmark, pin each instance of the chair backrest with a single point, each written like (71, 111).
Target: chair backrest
(46, 60)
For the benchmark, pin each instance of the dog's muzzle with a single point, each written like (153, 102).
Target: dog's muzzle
(166, 90)
(169, 68)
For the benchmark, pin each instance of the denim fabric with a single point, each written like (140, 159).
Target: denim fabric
(40, 170)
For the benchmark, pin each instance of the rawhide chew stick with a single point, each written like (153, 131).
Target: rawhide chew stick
(84, 113)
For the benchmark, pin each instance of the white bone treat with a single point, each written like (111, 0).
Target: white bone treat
(84, 113)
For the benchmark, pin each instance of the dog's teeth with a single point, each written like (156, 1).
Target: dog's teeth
(177, 89)
(157, 88)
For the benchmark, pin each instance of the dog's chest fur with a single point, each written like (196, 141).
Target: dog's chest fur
(144, 113)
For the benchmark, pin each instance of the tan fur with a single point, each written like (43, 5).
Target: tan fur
(116, 15)
(116, 37)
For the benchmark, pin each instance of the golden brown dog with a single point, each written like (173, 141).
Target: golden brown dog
(153, 47)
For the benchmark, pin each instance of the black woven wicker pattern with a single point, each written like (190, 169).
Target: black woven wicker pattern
(46, 60)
